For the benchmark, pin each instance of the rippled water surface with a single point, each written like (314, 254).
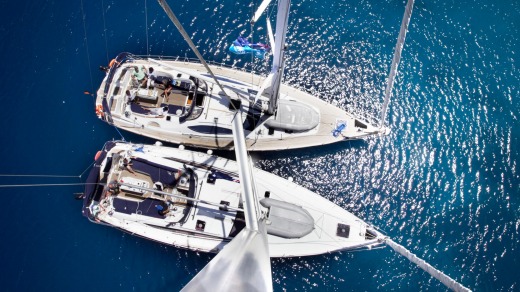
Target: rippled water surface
(444, 183)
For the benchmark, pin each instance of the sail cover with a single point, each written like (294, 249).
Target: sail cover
(294, 116)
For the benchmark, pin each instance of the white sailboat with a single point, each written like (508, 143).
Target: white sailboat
(195, 109)
(206, 203)
(193, 200)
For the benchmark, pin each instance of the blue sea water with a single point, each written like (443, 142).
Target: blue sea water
(444, 183)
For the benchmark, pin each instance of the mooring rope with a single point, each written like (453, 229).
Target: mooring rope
(445, 279)
(104, 28)
(48, 175)
(46, 185)
(146, 25)
(122, 137)
(86, 169)
(86, 45)
(39, 175)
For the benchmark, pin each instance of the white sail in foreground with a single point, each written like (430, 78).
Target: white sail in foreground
(244, 263)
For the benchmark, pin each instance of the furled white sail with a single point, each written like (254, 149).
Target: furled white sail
(397, 57)
(445, 279)
(260, 10)
(282, 20)
(271, 36)
(244, 263)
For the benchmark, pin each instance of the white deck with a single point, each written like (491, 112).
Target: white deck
(216, 113)
(218, 224)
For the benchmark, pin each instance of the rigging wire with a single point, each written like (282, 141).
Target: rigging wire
(187, 38)
(104, 28)
(86, 44)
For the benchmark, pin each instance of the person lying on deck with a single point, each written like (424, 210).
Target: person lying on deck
(168, 86)
(127, 164)
(112, 188)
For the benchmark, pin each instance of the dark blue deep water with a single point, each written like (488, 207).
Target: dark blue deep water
(445, 182)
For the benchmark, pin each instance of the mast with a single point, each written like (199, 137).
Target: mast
(282, 19)
(244, 263)
(187, 38)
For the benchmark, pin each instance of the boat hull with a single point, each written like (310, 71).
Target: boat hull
(212, 128)
(220, 226)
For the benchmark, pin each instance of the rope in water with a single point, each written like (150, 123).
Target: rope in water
(86, 45)
(87, 169)
(146, 26)
(38, 175)
(46, 185)
(104, 28)
(445, 279)
(48, 175)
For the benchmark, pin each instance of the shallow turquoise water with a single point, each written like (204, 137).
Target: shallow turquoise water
(444, 183)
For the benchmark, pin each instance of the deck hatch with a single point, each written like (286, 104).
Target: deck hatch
(343, 230)
(200, 225)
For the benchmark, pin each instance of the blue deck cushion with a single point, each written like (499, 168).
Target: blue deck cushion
(147, 207)
(138, 109)
(157, 172)
(172, 109)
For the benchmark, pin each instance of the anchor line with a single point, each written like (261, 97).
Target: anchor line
(104, 28)
(39, 175)
(49, 175)
(47, 185)
(87, 50)
(86, 169)
(146, 26)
